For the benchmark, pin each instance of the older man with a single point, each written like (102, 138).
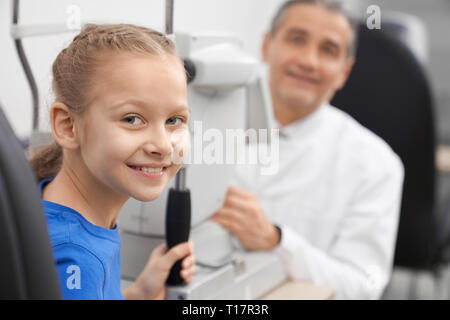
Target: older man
(332, 209)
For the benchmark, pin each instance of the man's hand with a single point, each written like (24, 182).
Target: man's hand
(151, 282)
(243, 216)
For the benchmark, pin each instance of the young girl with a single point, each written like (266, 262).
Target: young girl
(120, 110)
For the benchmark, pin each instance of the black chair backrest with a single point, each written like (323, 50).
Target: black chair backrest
(388, 93)
(27, 269)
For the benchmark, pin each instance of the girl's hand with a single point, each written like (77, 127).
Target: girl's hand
(151, 282)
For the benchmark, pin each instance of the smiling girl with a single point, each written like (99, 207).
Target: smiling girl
(119, 115)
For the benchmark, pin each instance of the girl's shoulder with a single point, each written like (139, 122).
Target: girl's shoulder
(83, 258)
(81, 273)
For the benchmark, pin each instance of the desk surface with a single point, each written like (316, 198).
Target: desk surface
(299, 291)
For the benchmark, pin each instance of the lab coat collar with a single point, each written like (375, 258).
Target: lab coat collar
(304, 127)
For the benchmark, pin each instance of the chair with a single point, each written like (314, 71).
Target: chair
(27, 268)
(388, 93)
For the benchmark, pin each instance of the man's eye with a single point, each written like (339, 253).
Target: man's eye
(173, 121)
(330, 51)
(133, 120)
(296, 40)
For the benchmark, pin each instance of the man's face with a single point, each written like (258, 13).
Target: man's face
(308, 56)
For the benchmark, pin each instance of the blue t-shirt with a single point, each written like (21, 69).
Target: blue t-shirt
(87, 256)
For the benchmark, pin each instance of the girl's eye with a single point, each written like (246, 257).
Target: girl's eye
(175, 121)
(133, 120)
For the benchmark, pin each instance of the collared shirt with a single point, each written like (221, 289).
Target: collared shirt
(336, 195)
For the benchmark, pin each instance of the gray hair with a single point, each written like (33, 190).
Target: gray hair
(331, 5)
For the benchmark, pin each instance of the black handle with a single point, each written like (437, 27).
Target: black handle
(178, 225)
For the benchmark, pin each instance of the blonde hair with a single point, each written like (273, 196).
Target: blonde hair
(75, 66)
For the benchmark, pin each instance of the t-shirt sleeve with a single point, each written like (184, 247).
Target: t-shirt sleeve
(81, 274)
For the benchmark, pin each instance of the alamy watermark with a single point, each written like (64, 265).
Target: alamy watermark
(231, 147)
(74, 280)
(73, 21)
(373, 21)
(374, 278)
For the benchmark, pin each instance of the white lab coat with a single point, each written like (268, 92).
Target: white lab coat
(337, 199)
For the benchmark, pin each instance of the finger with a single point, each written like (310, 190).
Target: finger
(188, 274)
(229, 224)
(223, 215)
(159, 251)
(218, 213)
(241, 193)
(177, 252)
(191, 245)
(189, 279)
(188, 262)
(230, 214)
(241, 204)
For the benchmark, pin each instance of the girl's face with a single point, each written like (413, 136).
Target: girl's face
(134, 133)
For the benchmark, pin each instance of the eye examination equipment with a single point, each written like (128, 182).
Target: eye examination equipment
(227, 91)
(178, 221)
(19, 32)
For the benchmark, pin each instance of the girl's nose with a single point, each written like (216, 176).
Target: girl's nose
(159, 143)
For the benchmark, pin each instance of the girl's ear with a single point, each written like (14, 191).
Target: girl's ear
(63, 126)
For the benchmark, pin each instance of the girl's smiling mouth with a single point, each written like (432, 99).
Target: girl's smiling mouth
(152, 171)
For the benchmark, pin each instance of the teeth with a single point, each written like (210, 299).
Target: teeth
(149, 170)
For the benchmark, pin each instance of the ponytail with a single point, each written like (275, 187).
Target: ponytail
(46, 161)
